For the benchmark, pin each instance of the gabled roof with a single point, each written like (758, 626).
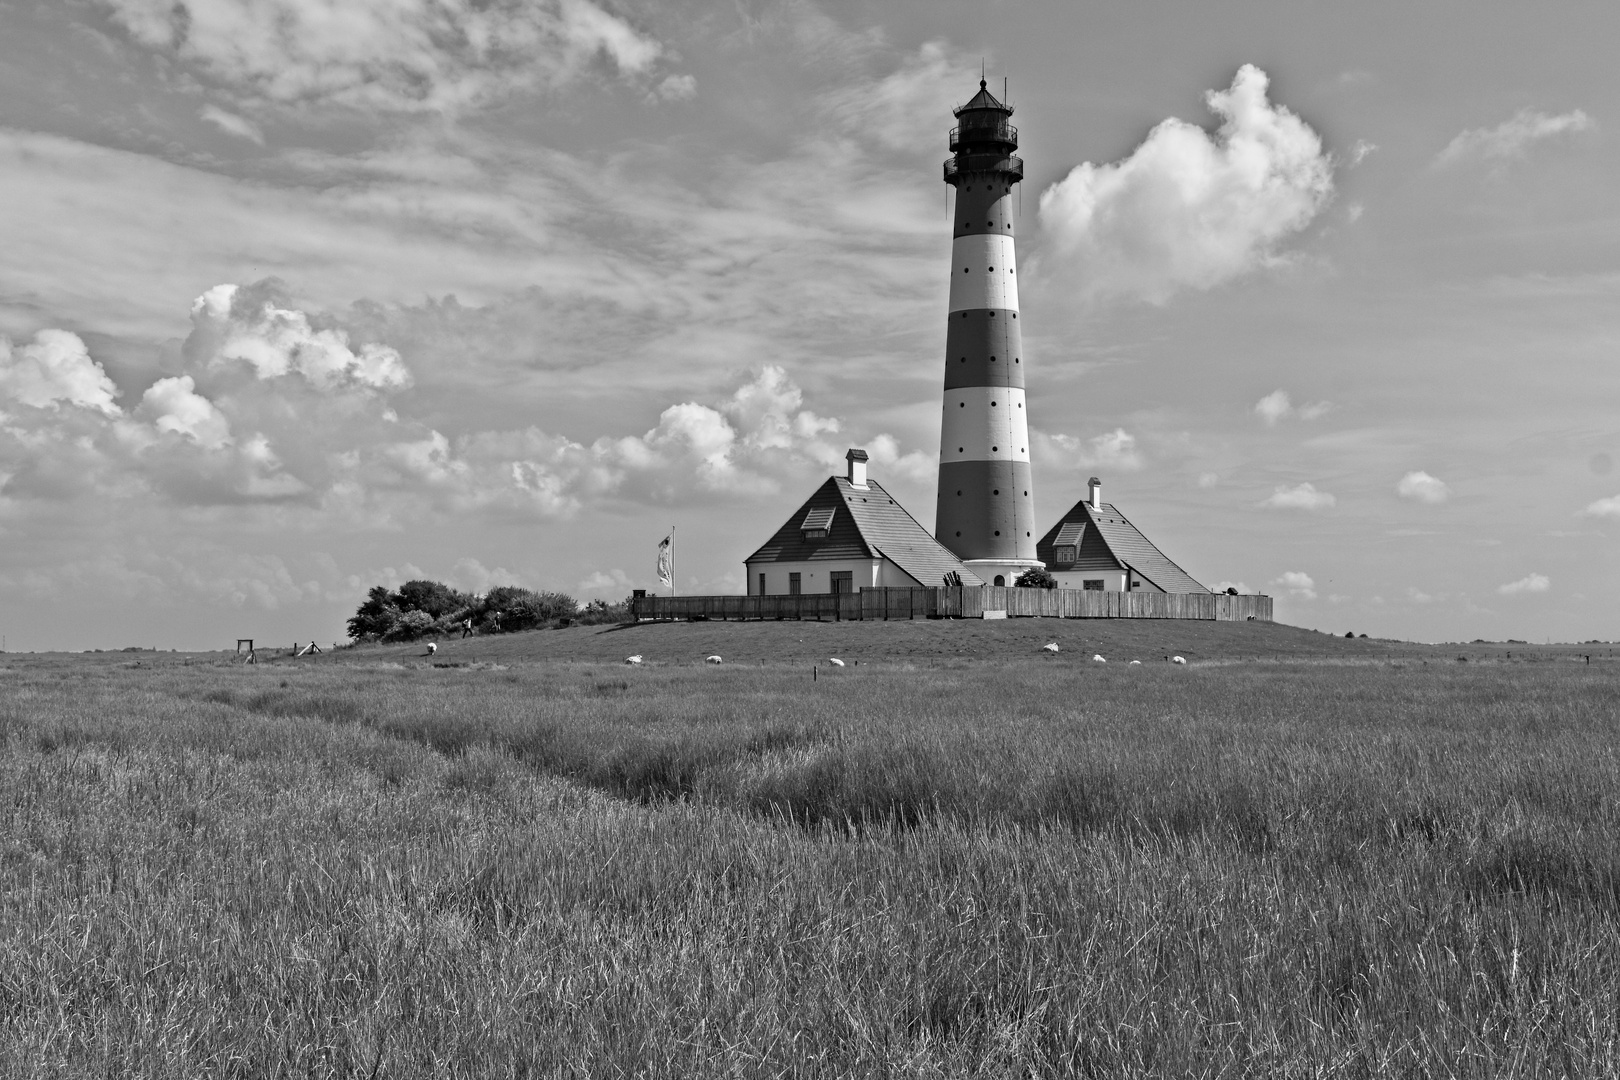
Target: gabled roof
(1110, 541)
(876, 526)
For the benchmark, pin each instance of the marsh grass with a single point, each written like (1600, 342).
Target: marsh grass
(949, 870)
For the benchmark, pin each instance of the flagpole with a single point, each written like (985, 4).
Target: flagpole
(672, 560)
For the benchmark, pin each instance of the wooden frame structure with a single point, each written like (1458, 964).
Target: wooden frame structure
(958, 602)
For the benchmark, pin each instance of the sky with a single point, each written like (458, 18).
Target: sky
(298, 298)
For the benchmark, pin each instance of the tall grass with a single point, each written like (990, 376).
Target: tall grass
(953, 871)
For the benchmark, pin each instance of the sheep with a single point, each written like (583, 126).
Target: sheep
(433, 648)
(711, 660)
(1136, 663)
(1050, 646)
(835, 662)
(636, 659)
(1178, 659)
(1098, 659)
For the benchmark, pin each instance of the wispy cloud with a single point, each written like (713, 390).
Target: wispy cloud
(1604, 508)
(232, 124)
(1533, 583)
(389, 54)
(1277, 405)
(1514, 137)
(1301, 497)
(1187, 209)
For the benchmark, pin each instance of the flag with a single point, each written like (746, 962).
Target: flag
(663, 561)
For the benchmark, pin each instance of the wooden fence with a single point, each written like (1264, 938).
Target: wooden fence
(960, 602)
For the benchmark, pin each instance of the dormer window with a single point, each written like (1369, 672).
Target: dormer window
(817, 523)
(1066, 547)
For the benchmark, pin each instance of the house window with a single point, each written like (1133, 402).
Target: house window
(793, 585)
(1063, 555)
(1092, 585)
(762, 585)
(843, 581)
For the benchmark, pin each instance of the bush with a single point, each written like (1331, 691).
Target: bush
(600, 611)
(430, 608)
(409, 626)
(1036, 578)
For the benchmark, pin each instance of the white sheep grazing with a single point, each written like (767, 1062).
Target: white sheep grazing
(433, 647)
(1136, 663)
(1099, 659)
(1178, 659)
(711, 660)
(1050, 646)
(636, 659)
(835, 662)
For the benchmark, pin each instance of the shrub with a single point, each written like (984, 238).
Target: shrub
(600, 611)
(422, 608)
(410, 626)
(1036, 578)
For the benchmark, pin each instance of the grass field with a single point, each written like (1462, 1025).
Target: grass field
(1298, 856)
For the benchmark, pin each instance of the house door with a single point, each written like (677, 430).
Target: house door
(843, 581)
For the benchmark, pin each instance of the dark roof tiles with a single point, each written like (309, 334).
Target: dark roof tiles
(1111, 535)
(876, 527)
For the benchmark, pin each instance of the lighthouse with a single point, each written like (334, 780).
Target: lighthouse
(986, 505)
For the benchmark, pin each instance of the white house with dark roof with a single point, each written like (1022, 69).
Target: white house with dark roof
(1094, 546)
(848, 536)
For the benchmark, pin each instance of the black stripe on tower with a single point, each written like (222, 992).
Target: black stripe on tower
(985, 509)
(983, 206)
(983, 348)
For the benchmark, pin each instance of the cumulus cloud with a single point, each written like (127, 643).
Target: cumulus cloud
(1608, 508)
(231, 124)
(1188, 209)
(231, 323)
(1277, 405)
(1533, 583)
(1302, 497)
(281, 406)
(176, 406)
(55, 369)
(1296, 583)
(1422, 487)
(391, 54)
(1513, 137)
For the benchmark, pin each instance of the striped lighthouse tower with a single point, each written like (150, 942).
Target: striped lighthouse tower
(986, 508)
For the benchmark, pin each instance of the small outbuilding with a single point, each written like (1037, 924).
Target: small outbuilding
(1094, 546)
(848, 536)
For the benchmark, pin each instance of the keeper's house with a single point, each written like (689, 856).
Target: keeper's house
(851, 535)
(1094, 546)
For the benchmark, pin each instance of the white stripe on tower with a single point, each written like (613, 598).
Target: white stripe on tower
(983, 275)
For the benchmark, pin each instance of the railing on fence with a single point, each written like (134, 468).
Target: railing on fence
(958, 602)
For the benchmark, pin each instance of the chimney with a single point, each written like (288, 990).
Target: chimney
(857, 468)
(1096, 493)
